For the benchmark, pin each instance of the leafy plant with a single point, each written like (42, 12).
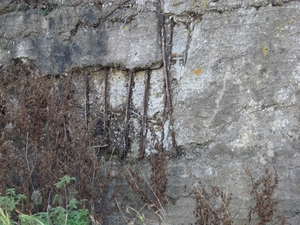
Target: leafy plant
(69, 215)
(46, 12)
(8, 204)
(30, 220)
(46, 135)
(49, 8)
(64, 181)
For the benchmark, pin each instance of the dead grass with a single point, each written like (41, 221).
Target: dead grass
(262, 191)
(152, 193)
(212, 207)
(45, 135)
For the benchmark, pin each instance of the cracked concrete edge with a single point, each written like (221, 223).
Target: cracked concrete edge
(176, 7)
(187, 12)
(131, 36)
(106, 7)
(183, 7)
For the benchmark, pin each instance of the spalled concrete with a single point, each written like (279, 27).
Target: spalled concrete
(234, 77)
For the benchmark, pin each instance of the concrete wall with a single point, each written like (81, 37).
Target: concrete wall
(232, 68)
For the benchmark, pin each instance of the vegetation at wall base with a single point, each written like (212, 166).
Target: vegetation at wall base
(262, 192)
(48, 148)
(45, 135)
(207, 211)
(11, 207)
(212, 206)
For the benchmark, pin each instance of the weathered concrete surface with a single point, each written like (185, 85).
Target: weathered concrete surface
(236, 96)
(234, 80)
(230, 80)
(82, 34)
(202, 6)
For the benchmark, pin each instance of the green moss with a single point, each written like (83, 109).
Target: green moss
(23, 8)
(50, 8)
(46, 12)
(107, 157)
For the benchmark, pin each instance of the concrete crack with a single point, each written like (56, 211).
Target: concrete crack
(75, 29)
(190, 34)
(219, 99)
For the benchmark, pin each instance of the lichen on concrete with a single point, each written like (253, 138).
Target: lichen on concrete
(234, 82)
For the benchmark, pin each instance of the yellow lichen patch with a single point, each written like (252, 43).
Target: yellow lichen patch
(176, 2)
(158, 94)
(140, 74)
(125, 27)
(204, 4)
(96, 73)
(197, 71)
(118, 73)
(265, 50)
